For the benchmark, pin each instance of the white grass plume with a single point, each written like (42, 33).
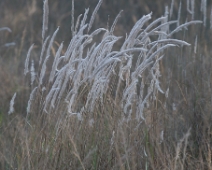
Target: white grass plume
(193, 8)
(84, 18)
(12, 101)
(32, 71)
(55, 63)
(77, 23)
(171, 9)
(115, 22)
(204, 12)
(45, 17)
(5, 29)
(10, 44)
(51, 42)
(43, 49)
(31, 99)
(188, 6)
(72, 19)
(43, 70)
(26, 70)
(195, 45)
(179, 28)
(179, 14)
(94, 14)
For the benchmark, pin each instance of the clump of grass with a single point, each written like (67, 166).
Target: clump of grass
(92, 66)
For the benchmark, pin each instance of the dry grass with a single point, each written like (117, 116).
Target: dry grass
(105, 102)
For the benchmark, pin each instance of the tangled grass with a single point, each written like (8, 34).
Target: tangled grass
(93, 106)
(87, 69)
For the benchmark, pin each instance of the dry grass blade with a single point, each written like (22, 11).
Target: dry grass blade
(45, 17)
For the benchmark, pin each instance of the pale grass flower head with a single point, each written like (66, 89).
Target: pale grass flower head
(12, 101)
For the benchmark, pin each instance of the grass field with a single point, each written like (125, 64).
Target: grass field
(85, 90)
